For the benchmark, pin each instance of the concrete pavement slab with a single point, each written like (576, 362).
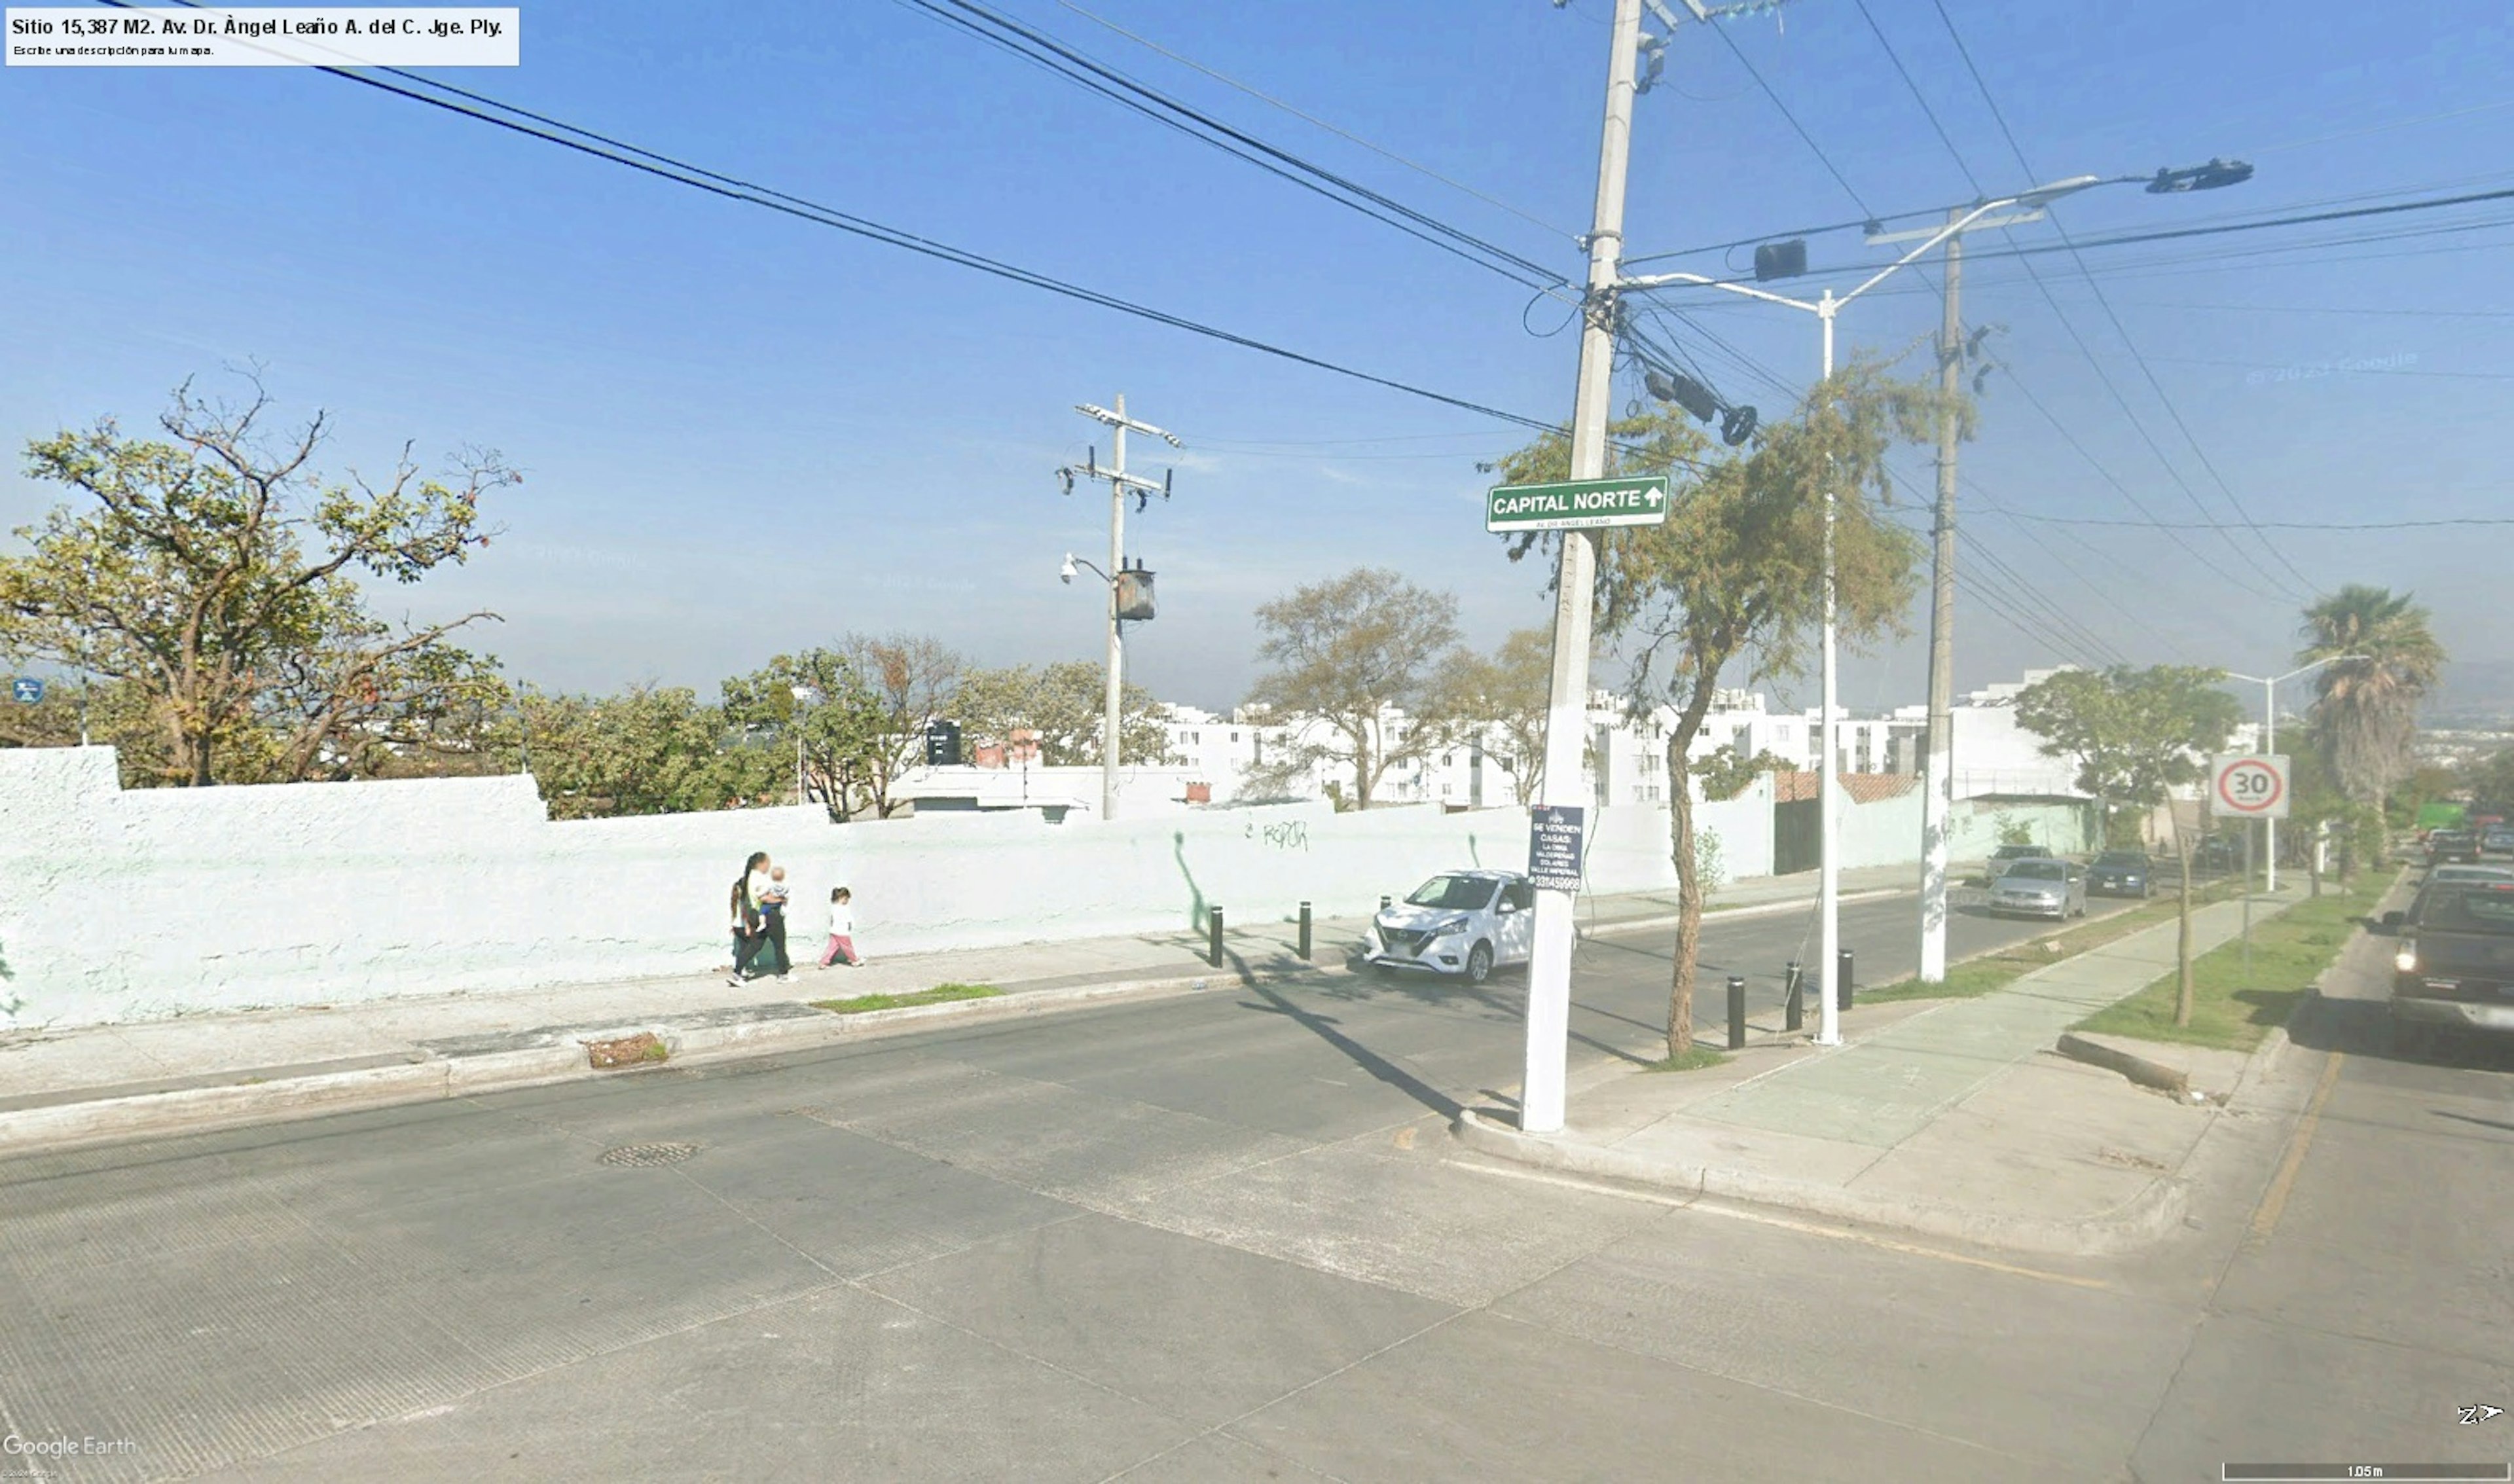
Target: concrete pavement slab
(1201, 1330)
(1392, 1218)
(1079, 1146)
(2237, 1393)
(1495, 1398)
(837, 1383)
(2010, 1358)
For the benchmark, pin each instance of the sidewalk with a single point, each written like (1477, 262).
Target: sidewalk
(97, 1083)
(1951, 1117)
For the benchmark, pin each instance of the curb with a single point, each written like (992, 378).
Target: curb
(427, 1079)
(2145, 1220)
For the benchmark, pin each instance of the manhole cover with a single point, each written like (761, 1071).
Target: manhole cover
(649, 1153)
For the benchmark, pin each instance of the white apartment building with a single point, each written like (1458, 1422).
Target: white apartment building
(1625, 758)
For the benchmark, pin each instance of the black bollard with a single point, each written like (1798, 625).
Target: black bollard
(1736, 1012)
(1842, 979)
(1213, 926)
(1794, 993)
(1383, 902)
(1305, 931)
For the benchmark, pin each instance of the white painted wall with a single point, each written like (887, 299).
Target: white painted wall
(123, 905)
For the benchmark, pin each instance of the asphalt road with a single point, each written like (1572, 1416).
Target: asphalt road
(1217, 1239)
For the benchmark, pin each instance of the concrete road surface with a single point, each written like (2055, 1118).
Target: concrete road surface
(1219, 1238)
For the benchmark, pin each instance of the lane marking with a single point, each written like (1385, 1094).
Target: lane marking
(1766, 1219)
(2265, 1217)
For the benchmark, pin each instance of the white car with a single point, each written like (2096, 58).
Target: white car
(1463, 923)
(2443, 874)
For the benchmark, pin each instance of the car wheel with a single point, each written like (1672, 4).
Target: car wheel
(1480, 963)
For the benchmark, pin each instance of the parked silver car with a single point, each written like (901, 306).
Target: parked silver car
(2041, 888)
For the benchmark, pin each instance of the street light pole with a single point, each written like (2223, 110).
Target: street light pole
(1939, 791)
(1828, 784)
(2269, 685)
(1937, 781)
(1549, 987)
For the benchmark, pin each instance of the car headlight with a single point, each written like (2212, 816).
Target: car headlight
(1447, 926)
(2407, 959)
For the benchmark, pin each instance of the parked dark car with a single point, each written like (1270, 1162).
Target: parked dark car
(2217, 853)
(2122, 873)
(2453, 967)
(2452, 845)
(2496, 840)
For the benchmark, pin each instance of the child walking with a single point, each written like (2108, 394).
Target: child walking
(842, 931)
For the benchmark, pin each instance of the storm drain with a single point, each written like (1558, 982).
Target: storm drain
(643, 1154)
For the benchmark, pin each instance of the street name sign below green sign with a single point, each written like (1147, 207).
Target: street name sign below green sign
(1577, 504)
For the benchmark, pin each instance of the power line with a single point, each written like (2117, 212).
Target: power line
(1917, 97)
(2129, 344)
(1005, 33)
(2082, 346)
(663, 167)
(1315, 121)
(1805, 137)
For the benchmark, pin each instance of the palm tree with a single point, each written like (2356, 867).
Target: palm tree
(2365, 713)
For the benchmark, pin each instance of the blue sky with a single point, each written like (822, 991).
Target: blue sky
(743, 434)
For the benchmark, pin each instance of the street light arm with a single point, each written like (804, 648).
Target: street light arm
(1087, 565)
(1928, 244)
(1663, 280)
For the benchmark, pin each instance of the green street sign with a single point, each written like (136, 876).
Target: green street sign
(1577, 504)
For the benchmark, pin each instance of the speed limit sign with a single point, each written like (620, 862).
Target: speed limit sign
(2250, 786)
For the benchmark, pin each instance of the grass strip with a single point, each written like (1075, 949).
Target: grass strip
(2232, 1009)
(939, 994)
(1999, 968)
(1696, 1057)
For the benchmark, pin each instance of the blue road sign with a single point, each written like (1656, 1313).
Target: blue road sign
(25, 690)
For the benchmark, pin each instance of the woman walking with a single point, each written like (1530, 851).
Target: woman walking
(749, 930)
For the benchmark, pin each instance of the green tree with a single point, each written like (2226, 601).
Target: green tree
(838, 728)
(1507, 693)
(212, 579)
(2364, 716)
(646, 750)
(1724, 773)
(1734, 580)
(2137, 735)
(1347, 653)
(1065, 703)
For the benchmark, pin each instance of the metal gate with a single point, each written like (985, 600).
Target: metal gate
(1797, 836)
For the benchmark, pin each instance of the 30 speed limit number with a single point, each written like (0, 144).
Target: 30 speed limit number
(2251, 787)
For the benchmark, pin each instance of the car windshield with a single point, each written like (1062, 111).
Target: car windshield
(2018, 852)
(2472, 873)
(2038, 871)
(2121, 858)
(1455, 894)
(2469, 909)
(2450, 836)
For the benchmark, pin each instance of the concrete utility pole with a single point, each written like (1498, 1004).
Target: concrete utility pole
(1549, 987)
(1937, 778)
(1121, 485)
